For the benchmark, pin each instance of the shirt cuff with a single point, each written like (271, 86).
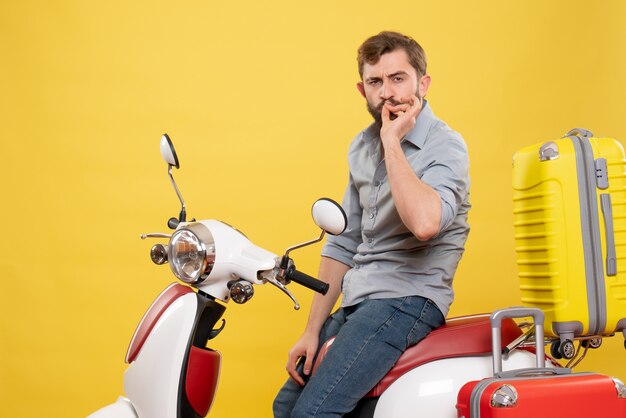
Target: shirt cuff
(338, 253)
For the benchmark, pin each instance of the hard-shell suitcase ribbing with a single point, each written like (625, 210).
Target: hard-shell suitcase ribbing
(570, 231)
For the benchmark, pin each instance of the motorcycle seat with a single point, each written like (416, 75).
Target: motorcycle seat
(459, 337)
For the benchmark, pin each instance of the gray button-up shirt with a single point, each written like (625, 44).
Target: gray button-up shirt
(386, 259)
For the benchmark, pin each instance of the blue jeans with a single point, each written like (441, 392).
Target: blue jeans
(370, 336)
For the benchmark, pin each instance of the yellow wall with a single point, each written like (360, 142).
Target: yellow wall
(259, 98)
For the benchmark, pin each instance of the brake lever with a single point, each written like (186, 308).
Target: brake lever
(155, 235)
(269, 278)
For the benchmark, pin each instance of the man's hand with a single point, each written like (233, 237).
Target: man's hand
(306, 346)
(399, 119)
(331, 271)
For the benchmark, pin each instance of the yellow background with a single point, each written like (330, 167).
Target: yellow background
(259, 99)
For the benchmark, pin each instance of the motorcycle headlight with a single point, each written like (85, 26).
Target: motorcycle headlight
(192, 253)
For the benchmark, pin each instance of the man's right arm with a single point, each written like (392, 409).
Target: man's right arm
(331, 271)
(336, 260)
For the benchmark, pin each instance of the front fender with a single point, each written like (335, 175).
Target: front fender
(122, 408)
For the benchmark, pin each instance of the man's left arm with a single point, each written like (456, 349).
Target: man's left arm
(421, 215)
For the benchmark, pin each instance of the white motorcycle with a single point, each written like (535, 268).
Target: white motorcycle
(172, 374)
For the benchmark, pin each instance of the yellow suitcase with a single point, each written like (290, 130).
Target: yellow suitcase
(569, 200)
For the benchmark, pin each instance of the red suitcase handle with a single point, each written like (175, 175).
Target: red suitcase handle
(496, 325)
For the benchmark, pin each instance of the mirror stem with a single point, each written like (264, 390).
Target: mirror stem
(284, 261)
(183, 211)
(304, 244)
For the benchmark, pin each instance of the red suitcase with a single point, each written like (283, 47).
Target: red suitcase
(539, 392)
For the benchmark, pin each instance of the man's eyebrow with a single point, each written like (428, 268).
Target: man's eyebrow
(377, 78)
(397, 73)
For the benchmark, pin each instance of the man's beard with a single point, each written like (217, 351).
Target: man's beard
(377, 111)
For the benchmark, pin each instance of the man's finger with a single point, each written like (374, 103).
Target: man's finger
(308, 360)
(291, 369)
(416, 106)
(398, 108)
(385, 113)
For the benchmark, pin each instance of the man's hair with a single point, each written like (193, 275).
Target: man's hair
(376, 46)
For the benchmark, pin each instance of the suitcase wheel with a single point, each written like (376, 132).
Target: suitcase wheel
(554, 350)
(592, 343)
(564, 349)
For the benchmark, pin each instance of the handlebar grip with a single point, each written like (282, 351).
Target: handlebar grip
(310, 282)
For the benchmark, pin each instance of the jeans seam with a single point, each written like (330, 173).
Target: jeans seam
(428, 305)
(355, 357)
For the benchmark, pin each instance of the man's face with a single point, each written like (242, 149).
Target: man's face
(391, 80)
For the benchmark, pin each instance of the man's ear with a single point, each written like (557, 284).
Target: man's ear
(423, 85)
(360, 88)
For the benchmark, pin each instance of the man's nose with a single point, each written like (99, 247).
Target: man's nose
(386, 91)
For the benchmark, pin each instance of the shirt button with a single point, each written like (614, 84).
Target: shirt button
(372, 215)
(370, 240)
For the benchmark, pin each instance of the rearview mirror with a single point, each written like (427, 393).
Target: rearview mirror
(167, 151)
(330, 216)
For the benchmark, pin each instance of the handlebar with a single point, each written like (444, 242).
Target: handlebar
(307, 281)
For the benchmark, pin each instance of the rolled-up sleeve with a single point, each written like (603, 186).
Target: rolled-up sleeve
(447, 172)
(343, 247)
